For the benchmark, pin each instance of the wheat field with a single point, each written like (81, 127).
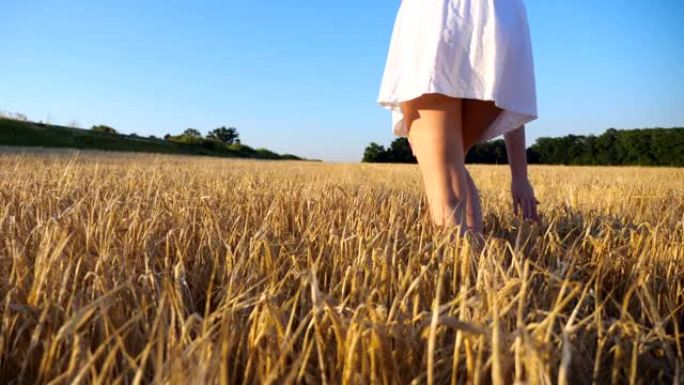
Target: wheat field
(136, 269)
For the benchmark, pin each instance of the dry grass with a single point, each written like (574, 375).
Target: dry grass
(128, 269)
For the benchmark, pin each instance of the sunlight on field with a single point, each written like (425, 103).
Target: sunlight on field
(169, 269)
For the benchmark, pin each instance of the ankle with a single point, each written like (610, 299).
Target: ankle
(450, 213)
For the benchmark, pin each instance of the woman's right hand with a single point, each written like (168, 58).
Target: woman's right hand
(524, 199)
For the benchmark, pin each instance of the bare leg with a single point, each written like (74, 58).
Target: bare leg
(435, 123)
(477, 116)
(473, 207)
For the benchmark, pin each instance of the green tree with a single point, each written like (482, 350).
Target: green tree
(645, 147)
(373, 153)
(489, 152)
(227, 135)
(103, 128)
(400, 151)
(192, 132)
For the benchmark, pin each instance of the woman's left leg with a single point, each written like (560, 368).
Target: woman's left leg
(473, 206)
(477, 116)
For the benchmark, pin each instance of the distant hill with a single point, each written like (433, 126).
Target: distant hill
(25, 133)
(637, 147)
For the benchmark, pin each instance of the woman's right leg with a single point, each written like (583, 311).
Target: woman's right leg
(435, 123)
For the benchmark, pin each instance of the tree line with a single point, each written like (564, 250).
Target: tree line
(222, 134)
(642, 147)
(219, 139)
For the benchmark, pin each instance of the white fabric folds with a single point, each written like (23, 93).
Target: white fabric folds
(474, 49)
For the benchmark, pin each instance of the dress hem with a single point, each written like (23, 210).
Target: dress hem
(508, 120)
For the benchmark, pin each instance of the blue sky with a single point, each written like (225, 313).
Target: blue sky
(302, 77)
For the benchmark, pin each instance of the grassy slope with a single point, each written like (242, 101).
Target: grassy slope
(21, 133)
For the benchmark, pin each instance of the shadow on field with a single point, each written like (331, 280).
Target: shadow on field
(569, 225)
(621, 272)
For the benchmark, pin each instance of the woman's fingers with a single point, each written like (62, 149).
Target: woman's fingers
(533, 210)
(527, 207)
(535, 213)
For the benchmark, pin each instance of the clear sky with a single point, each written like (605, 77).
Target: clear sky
(302, 77)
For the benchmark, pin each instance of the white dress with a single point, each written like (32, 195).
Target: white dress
(474, 49)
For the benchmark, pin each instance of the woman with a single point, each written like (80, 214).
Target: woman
(459, 72)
